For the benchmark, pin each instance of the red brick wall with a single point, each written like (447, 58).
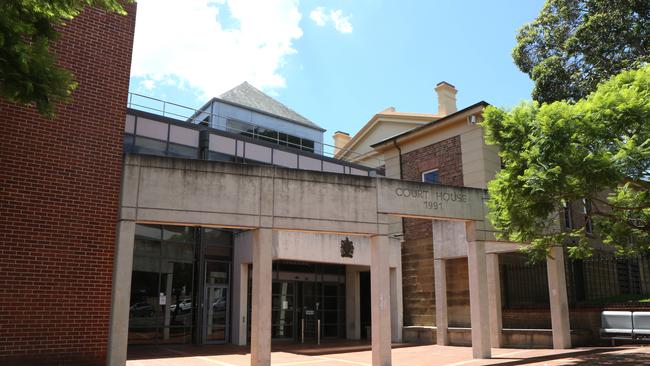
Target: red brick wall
(59, 188)
(417, 249)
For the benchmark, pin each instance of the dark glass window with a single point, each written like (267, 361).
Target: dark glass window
(308, 145)
(183, 151)
(430, 176)
(241, 128)
(145, 145)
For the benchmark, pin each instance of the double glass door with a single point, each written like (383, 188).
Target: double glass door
(307, 310)
(216, 302)
(216, 314)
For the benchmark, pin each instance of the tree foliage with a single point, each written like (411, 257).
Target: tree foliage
(29, 73)
(597, 148)
(575, 44)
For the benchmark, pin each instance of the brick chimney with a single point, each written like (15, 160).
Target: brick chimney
(340, 140)
(446, 98)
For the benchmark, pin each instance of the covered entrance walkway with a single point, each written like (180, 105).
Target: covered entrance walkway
(295, 215)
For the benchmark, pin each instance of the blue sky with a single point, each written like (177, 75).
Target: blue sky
(335, 62)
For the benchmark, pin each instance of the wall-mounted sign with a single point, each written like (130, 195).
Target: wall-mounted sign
(309, 312)
(162, 299)
(347, 248)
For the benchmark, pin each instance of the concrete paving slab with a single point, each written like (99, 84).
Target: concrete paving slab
(426, 355)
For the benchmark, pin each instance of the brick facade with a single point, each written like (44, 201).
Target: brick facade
(59, 184)
(417, 249)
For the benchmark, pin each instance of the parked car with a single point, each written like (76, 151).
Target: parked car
(184, 305)
(141, 309)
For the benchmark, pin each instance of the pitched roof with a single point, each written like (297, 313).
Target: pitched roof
(247, 95)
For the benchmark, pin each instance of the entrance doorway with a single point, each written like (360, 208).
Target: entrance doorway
(308, 301)
(216, 314)
(216, 303)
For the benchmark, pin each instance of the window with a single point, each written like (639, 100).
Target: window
(568, 220)
(586, 210)
(269, 135)
(430, 176)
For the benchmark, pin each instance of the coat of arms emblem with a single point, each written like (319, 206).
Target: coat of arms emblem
(347, 248)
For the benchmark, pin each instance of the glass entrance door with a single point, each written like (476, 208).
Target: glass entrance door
(216, 314)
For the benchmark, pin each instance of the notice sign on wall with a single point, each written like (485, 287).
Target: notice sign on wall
(162, 299)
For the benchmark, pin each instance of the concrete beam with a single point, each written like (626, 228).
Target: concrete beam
(121, 294)
(558, 298)
(380, 301)
(478, 295)
(494, 298)
(261, 297)
(440, 285)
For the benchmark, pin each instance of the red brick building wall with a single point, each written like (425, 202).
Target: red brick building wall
(59, 188)
(417, 249)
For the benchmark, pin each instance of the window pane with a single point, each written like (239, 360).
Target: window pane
(308, 145)
(266, 134)
(430, 177)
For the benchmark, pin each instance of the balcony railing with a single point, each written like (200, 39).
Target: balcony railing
(195, 116)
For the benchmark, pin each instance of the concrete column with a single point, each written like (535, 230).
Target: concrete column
(494, 298)
(261, 297)
(478, 294)
(558, 298)
(121, 294)
(380, 300)
(352, 305)
(440, 285)
(240, 304)
(396, 320)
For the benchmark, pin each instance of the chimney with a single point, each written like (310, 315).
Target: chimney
(340, 140)
(446, 98)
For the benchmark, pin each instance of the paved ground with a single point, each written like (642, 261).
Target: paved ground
(359, 354)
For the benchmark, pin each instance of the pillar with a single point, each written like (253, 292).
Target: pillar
(440, 286)
(478, 294)
(396, 308)
(261, 298)
(352, 305)
(380, 300)
(558, 298)
(494, 298)
(121, 294)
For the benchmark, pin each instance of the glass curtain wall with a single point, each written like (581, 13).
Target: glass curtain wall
(170, 275)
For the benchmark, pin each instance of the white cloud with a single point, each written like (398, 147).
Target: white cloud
(213, 45)
(318, 16)
(341, 22)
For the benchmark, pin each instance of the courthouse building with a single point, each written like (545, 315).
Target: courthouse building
(135, 222)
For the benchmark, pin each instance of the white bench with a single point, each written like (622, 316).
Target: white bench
(625, 325)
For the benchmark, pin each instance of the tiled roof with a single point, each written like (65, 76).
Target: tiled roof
(247, 95)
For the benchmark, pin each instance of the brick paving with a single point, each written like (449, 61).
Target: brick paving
(360, 354)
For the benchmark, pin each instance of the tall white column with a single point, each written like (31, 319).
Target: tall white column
(440, 287)
(396, 320)
(240, 304)
(558, 298)
(352, 305)
(261, 298)
(494, 298)
(121, 294)
(380, 300)
(478, 294)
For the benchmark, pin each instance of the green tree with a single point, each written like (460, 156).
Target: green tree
(597, 148)
(575, 44)
(29, 73)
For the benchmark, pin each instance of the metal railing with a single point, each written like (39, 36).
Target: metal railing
(595, 281)
(191, 115)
